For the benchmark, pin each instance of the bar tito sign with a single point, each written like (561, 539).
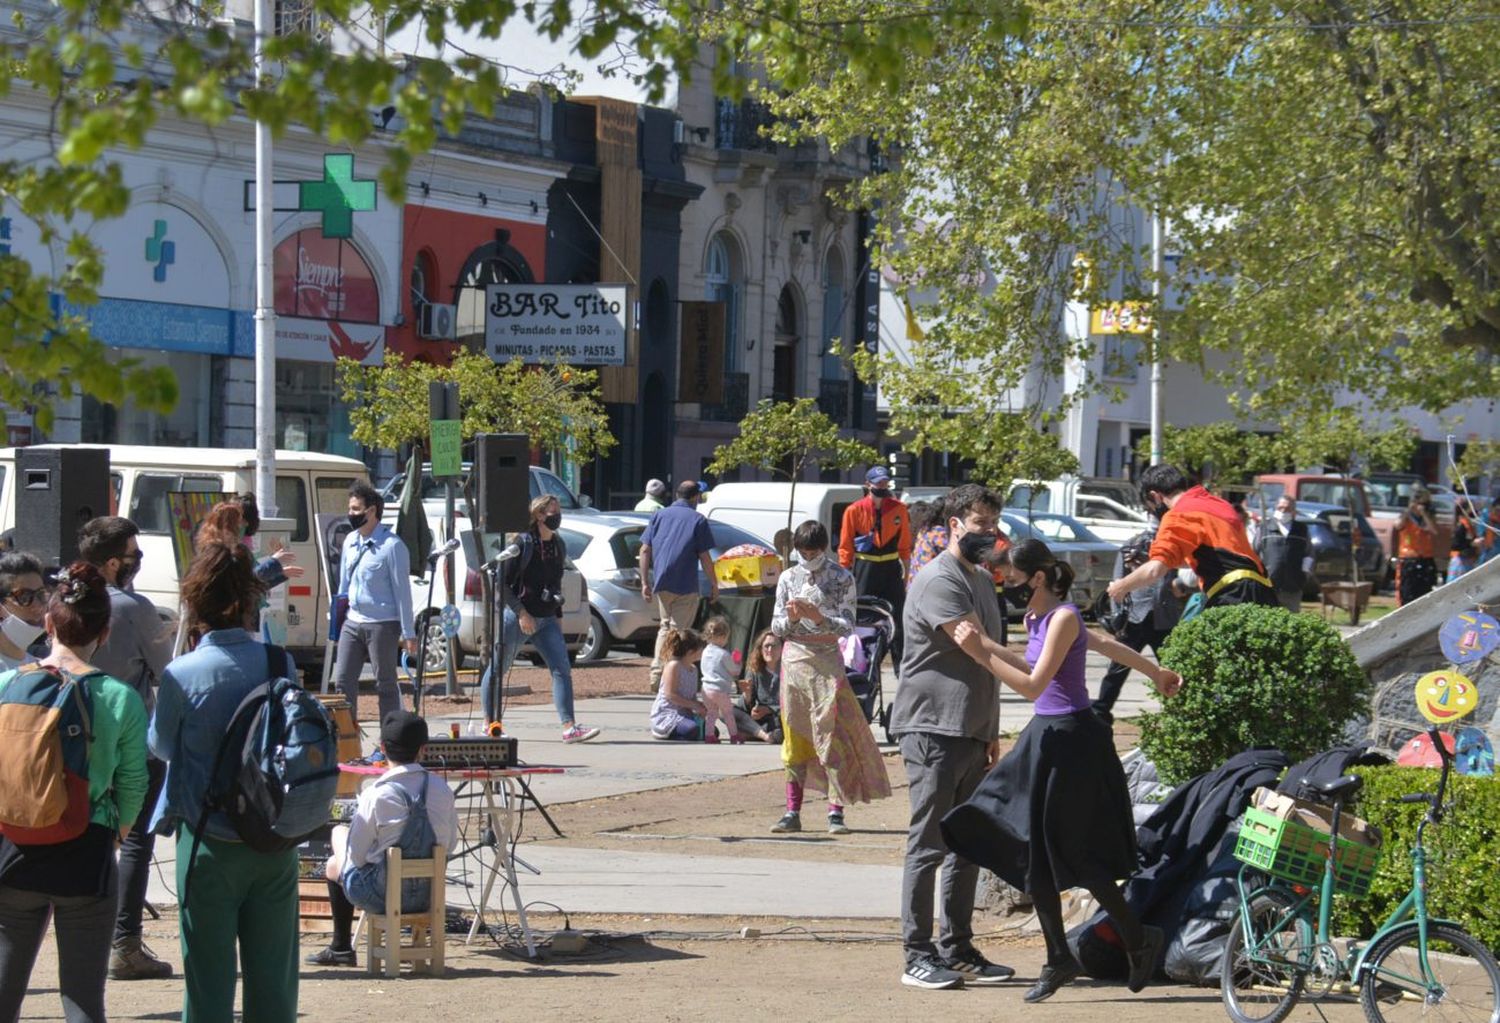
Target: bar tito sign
(582, 324)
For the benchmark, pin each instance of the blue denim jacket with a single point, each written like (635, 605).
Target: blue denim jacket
(380, 587)
(198, 696)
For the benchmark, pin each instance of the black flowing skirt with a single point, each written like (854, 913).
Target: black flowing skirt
(1055, 811)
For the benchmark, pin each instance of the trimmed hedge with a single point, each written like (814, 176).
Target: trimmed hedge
(1252, 676)
(1463, 852)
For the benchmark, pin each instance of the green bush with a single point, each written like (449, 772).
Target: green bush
(1463, 853)
(1252, 676)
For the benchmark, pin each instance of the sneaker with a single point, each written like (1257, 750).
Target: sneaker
(927, 971)
(790, 821)
(712, 737)
(1052, 978)
(976, 968)
(836, 825)
(578, 733)
(331, 956)
(130, 959)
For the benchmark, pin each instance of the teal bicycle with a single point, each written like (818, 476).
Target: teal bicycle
(1415, 968)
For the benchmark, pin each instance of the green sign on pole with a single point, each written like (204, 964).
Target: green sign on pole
(447, 448)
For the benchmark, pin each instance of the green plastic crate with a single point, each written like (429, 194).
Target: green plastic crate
(1294, 852)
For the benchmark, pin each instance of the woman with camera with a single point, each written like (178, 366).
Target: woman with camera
(1416, 544)
(532, 589)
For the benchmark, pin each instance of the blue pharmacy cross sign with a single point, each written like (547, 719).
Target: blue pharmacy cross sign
(160, 251)
(338, 196)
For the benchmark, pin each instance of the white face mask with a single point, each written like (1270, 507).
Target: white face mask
(1284, 517)
(813, 564)
(20, 632)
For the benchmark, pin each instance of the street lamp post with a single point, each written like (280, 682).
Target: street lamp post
(1158, 454)
(265, 310)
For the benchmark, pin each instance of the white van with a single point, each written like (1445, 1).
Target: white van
(761, 508)
(1109, 508)
(307, 483)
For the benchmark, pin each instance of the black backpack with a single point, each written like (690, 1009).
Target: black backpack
(277, 769)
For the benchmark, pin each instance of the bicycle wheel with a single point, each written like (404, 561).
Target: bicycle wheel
(1261, 975)
(1464, 987)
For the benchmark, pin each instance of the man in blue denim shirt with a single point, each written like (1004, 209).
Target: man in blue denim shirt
(375, 572)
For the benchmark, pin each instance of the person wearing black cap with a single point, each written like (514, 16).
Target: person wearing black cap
(406, 807)
(875, 544)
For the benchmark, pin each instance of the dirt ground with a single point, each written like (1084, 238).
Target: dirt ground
(689, 968)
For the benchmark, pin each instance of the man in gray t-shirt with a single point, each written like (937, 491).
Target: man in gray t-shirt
(947, 715)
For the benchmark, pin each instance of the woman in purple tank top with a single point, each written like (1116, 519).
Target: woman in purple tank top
(1055, 812)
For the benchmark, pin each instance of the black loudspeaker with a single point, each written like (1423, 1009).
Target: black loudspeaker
(502, 464)
(57, 491)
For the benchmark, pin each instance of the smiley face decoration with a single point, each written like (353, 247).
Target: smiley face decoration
(1445, 696)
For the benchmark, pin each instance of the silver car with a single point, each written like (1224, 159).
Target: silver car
(429, 594)
(606, 548)
(1092, 559)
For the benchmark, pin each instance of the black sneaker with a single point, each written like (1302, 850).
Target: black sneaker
(836, 825)
(928, 971)
(1143, 959)
(976, 969)
(790, 821)
(1052, 978)
(331, 956)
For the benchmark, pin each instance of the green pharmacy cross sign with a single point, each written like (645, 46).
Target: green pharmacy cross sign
(337, 197)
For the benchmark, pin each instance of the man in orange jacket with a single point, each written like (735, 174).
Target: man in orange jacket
(875, 543)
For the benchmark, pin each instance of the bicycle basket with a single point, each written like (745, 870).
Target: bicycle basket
(1294, 852)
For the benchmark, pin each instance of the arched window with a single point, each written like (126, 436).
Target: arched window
(496, 263)
(726, 282)
(423, 280)
(835, 314)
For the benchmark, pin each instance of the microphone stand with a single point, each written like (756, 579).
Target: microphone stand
(419, 676)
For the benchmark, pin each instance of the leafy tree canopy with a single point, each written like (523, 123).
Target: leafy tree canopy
(785, 438)
(556, 407)
(1326, 173)
(107, 71)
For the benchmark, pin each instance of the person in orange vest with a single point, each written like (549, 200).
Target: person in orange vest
(1203, 532)
(875, 544)
(1416, 542)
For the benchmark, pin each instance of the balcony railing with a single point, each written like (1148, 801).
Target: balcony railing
(736, 403)
(737, 125)
(833, 399)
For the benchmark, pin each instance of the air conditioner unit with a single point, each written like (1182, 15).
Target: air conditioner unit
(437, 322)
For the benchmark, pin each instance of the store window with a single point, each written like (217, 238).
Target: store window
(309, 414)
(188, 424)
(321, 278)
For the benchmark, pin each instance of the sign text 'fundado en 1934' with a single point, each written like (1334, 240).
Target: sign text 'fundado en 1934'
(582, 324)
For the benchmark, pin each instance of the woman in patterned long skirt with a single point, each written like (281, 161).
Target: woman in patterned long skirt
(827, 745)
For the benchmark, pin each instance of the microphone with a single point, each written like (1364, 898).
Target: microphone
(513, 551)
(443, 551)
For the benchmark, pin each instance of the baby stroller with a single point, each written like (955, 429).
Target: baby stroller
(874, 628)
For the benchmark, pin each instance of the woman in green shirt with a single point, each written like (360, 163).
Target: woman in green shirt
(74, 882)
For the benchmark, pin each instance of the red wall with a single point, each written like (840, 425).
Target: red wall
(449, 238)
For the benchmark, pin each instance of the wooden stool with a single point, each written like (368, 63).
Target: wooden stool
(428, 928)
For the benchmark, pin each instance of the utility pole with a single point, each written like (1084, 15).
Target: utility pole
(1158, 446)
(265, 309)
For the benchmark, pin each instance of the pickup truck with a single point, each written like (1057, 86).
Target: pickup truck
(1110, 508)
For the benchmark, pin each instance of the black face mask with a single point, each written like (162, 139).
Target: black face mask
(1019, 596)
(974, 546)
(128, 568)
(356, 519)
(553, 521)
(1157, 511)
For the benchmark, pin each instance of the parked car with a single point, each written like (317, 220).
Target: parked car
(761, 508)
(607, 548)
(543, 481)
(1329, 533)
(1097, 504)
(1091, 558)
(430, 590)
